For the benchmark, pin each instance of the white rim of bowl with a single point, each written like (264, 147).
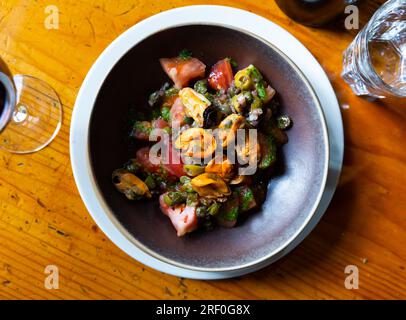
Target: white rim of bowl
(194, 15)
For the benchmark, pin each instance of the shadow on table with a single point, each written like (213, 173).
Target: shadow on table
(311, 262)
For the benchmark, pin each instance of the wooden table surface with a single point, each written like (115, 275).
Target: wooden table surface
(43, 220)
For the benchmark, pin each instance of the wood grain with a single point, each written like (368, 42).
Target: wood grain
(43, 220)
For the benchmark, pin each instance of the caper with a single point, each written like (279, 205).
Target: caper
(284, 122)
(201, 211)
(173, 198)
(186, 184)
(214, 208)
(192, 199)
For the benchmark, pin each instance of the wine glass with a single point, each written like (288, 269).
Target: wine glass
(314, 13)
(30, 112)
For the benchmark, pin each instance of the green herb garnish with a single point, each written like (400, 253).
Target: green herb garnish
(166, 113)
(185, 54)
(233, 63)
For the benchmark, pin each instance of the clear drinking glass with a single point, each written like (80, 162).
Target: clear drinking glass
(375, 62)
(30, 112)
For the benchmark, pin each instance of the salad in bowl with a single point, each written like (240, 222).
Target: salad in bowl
(209, 144)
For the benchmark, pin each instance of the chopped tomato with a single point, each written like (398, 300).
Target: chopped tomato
(159, 124)
(183, 218)
(221, 75)
(174, 165)
(270, 93)
(181, 71)
(144, 159)
(177, 114)
(161, 127)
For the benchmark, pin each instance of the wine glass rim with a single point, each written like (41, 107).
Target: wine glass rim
(10, 98)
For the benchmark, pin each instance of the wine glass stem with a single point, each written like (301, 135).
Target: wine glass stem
(20, 113)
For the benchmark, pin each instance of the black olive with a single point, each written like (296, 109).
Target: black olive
(209, 117)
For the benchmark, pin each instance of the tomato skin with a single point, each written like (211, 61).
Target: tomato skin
(159, 124)
(182, 71)
(183, 218)
(143, 158)
(177, 114)
(174, 166)
(221, 75)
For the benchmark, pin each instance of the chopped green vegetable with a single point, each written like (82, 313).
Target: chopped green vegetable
(230, 209)
(172, 91)
(192, 199)
(247, 200)
(214, 208)
(268, 151)
(173, 198)
(141, 126)
(150, 182)
(186, 184)
(166, 113)
(232, 214)
(254, 73)
(232, 62)
(184, 179)
(201, 86)
(260, 86)
(157, 178)
(185, 54)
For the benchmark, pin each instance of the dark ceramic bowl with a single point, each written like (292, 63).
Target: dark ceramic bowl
(292, 196)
